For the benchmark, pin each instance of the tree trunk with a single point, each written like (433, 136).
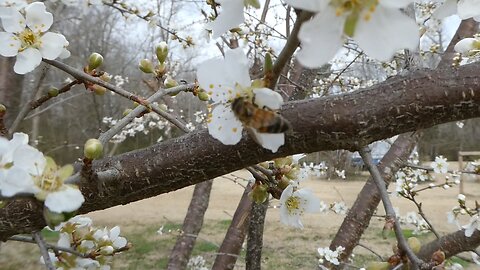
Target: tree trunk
(358, 217)
(255, 236)
(232, 243)
(191, 226)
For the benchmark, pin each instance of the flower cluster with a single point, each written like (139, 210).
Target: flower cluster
(26, 37)
(369, 23)
(196, 263)
(226, 80)
(408, 178)
(420, 225)
(97, 245)
(463, 209)
(24, 170)
(326, 254)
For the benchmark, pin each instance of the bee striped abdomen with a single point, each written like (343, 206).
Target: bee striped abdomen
(263, 120)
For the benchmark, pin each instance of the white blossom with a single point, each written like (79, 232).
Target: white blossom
(473, 225)
(293, 204)
(440, 165)
(379, 27)
(27, 38)
(227, 79)
(465, 9)
(331, 255)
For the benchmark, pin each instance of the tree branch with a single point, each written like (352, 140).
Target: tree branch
(401, 104)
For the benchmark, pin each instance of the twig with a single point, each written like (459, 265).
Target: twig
(44, 250)
(28, 239)
(430, 169)
(366, 155)
(371, 250)
(107, 135)
(38, 112)
(36, 103)
(82, 76)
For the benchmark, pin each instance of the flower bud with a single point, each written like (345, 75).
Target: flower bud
(414, 244)
(203, 96)
(252, 3)
(99, 90)
(3, 109)
(163, 107)
(438, 257)
(94, 61)
(170, 82)
(268, 65)
(283, 183)
(105, 77)
(280, 162)
(53, 92)
(126, 112)
(2, 204)
(145, 66)
(259, 193)
(161, 70)
(93, 149)
(162, 52)
(52, 218)
(378, 266)
(107, 250)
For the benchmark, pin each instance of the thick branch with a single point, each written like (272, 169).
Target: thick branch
(358, 217)
(253, 259)
(191, 226)
(451, 244)
(232, 244)
(398, 105)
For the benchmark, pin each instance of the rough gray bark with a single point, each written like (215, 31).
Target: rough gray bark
(191, 226)
(232, 243)
(349, 121)
(253, 258)
(359, 215)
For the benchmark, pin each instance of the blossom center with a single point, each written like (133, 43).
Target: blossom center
(292, 204)
(28, 39)
(49, 181)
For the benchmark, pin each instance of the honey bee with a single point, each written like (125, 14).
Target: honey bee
(263, 120)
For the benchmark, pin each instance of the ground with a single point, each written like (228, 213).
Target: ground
(284, 248)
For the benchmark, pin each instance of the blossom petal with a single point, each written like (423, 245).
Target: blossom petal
(68, 199)
(230, 17)
(311, 5)
(375, 35)
(14, 22)
(17, 181)
(320, 43)
(395, 3)
(9, 44)
(219, 77)
(468, 8)
(448, 8)
(119, 242)
(29, 159)
(224, 125)
(465, 45)
(312, 203)
(270, 141)
(38, 19)
(27, 61)
(52, 45)
(265, 97)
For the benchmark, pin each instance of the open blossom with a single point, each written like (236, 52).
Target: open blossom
(24, 169)
(295, 203)
(18, 162)
(379, 27)
(27, 38)
(468, 47)
(440, 165)
(231, 15)
(330, 255)
(227, 79)
(465, 9)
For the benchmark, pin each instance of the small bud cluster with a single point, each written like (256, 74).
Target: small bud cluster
(159, 70)
(97, 245)
(94, 62)
(419, 224)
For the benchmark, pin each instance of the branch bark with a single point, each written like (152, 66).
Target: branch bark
(358, 217)
(398, 105)
(255, 236)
